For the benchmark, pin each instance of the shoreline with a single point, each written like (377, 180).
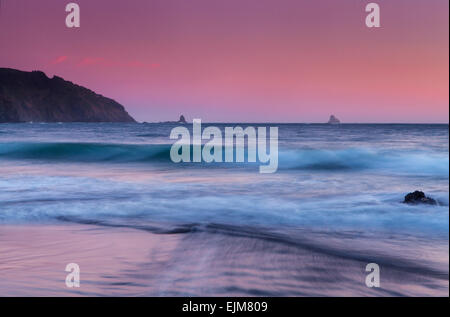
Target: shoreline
(129, 262)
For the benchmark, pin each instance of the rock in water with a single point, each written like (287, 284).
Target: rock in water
(182, 119)
(333, 120)
(33, 97)
(419, 197)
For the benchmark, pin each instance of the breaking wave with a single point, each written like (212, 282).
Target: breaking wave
(85, 152)
(352, 159)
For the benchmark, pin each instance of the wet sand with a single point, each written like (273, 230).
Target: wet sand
(215, 261)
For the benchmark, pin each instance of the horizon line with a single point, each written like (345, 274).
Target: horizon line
(270, 122)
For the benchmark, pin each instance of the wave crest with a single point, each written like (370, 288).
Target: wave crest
(85, 152)
(352, 159)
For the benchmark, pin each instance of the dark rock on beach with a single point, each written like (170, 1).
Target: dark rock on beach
(34, 97)
(419, 197)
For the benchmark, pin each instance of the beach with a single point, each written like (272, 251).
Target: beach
(213, 262)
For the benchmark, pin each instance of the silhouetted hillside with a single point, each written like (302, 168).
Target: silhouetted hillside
(32, 96)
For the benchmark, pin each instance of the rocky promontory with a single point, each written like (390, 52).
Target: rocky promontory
(34, 97)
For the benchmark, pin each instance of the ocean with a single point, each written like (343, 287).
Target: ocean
(108, 197)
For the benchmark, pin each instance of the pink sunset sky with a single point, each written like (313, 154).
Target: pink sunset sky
(242, 60)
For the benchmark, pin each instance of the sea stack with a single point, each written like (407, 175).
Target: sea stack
(34, 97)
(182, 119)
(333, 120)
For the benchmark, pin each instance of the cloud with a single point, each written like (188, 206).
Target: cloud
(60, 59)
